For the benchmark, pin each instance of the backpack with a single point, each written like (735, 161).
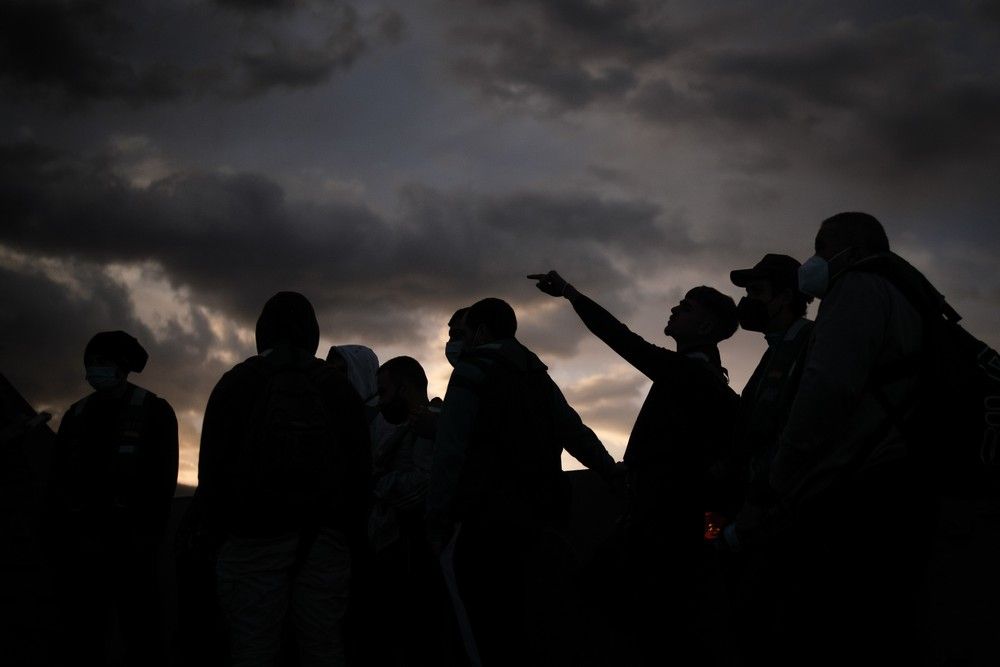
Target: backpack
(290, 463)
(952, 423)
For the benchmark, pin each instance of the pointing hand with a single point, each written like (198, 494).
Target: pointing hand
(551, 283)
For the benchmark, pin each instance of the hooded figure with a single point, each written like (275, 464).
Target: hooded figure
(287, 319)
(283, 478)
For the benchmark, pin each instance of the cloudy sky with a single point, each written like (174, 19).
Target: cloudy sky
(167, 166)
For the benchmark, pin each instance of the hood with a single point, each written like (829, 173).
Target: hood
(517, 354)
(362, 369)
(288, 319)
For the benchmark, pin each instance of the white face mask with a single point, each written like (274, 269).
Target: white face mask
(104, 378)
(814, 276)
(452, 351)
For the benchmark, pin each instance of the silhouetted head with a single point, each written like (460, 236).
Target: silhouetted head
(860, 231)
(489, 320)
(116, 347)
(109, 357)
(288, 319)
(456, 324)
(705, 316)
(402, 388)
(773, 300)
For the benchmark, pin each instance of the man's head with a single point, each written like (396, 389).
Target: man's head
(860, 231)
(773, 300)
(110, 356)
(288, 319)
(402, 388)
(842, 240)
(705, 316)
(488, 320)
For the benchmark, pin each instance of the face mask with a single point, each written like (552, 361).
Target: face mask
(395, 411)
(752, 314)
(814, 277)
(104, 378)
(816, 274)
(453, 350)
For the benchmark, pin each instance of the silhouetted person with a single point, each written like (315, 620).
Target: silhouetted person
(496, 479)
(774, 307)
(284, 475)
(681, 430)
(412, 598)
(113, 480)
(842, 472)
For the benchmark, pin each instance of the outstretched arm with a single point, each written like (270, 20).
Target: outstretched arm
(651, 360)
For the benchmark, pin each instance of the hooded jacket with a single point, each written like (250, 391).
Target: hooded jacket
(502, 430)
(287, 338)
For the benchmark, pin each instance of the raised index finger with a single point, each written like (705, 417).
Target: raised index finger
(538, 276)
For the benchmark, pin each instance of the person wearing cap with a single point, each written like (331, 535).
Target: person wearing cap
(682, 427)
(774, 307)
(114, 472)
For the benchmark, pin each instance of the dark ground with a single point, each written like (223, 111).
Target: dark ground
(962, 601)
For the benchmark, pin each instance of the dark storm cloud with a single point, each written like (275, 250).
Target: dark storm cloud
(568, 53)
(233, 239)
(143, 53)
(258, 5)
(907, 86)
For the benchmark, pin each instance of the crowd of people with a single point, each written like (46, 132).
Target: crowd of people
(343, 517)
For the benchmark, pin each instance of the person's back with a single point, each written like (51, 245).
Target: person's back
(514, 464)
(497, 476)
(283, 477)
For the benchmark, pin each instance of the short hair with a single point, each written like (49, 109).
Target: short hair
(722, 308)
(861, 230)
(496, 314)
(118, 346)
(406, 370)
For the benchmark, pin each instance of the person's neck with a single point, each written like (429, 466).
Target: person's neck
(780, 323)
(688, 346)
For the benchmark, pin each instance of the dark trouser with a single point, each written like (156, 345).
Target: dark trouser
(407, 600)
(98, 582)
(662, 575)
(851, 574)
(491, 569)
